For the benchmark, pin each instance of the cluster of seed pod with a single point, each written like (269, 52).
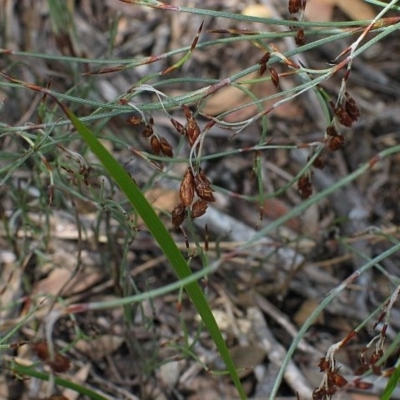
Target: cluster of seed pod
(344, 114)
(191, 130)
(272, 71)
(195, 189)
(333, 381)
(347, 112)
(304, 185)
(296, 6)
(193, 182)
(158, 143)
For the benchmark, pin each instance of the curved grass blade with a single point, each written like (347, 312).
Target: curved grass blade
(163, 238)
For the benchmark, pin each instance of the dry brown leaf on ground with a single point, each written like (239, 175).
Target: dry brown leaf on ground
(322, 10)
(162, 199)
(257, 10)
(100, 346)
(231, 97)
(57, 278)
(275, 208)
(356, 9)
(306, 309)
(228, 97)
(247, 357)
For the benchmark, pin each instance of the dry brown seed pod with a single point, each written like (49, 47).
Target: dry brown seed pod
(203, 190)
(319, 394)
(274, 76)
(178, 126)
(344, 117)
(178, 215)
(324, 364)
(155, 145)
(305, 187)
(199, 208)
(294, 6)
(351, 107)
(300, 38)
(263, 62)
(319, 163)
(335, 142)
(166, 148)
(337, 379)
(147, 131)
(134, 121)
(186, 189)
(331, 131)
(203, 176)
(192, 131)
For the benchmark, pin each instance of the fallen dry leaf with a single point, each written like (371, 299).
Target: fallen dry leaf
(322, 10)
(305, 310)
(57, 278)
(356, 9)
(319, 10)
(227, 98)
(162, 199)
(257, 10)
(100, 346)
(246, 358)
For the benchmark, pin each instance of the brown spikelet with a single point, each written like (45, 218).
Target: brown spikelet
(203, 176)
(335, 143)
(337, 379)
(351, 107)
(324, 365)
(192, 128)
(203, 187)
(318, 163)
(155, 145)
(294, 6)
(178, 126)
(134, 121)
(166, 148)
(274, 76)
(300, 38)
(343, 117)
(263, 62)
(331, 131)
(193, 131)
(147, 131)
(178, 215)
(199, 208)
(186, 189)
(305, 187)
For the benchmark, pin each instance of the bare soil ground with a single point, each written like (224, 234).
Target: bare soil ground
(157, 349)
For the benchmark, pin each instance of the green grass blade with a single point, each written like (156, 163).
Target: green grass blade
(163, 238)
(391, 385)
(23, 370)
